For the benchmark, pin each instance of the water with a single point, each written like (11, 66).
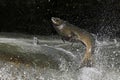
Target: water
(25, 57)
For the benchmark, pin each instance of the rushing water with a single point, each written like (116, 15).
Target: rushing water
(25, 57)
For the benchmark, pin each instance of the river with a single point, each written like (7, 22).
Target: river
(33, 57)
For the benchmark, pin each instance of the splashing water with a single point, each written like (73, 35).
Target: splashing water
(35, 40)
(51, 59)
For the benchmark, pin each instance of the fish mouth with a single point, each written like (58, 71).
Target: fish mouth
(56, 21)
(53, 20)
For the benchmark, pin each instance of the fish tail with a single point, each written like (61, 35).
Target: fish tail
(87, 62)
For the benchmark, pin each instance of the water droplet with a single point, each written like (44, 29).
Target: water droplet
(35, 40)
(48, 0)
(113, 59)
(114, 52)
(38, 7)
(77, 49)
(116, 55)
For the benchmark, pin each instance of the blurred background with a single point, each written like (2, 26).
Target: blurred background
(100, 17)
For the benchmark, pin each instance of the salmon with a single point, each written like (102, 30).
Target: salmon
(73, 33)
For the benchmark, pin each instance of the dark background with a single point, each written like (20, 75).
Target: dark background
(101, 17)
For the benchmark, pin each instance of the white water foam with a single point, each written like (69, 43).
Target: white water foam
(8, 71)
(89, 74)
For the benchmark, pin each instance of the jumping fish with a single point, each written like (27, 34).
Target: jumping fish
(73, 33)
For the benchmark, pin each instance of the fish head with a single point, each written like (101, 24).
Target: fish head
(56, 21)
(58, 24)
(61, 27)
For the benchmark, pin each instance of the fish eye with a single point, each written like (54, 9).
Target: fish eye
(56, 20)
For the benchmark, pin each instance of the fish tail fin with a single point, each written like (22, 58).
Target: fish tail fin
(87, 62)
